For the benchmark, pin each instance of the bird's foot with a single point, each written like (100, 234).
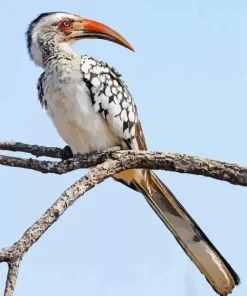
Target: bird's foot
(108, 152)
(66, 153)
(113, 149)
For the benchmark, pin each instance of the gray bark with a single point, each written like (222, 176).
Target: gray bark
(105, 164)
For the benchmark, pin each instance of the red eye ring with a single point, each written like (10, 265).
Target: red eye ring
(65, 25)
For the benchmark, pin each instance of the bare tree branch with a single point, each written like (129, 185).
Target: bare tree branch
(14, 254)
(107, 164)
(32, 149)
(181, 163)
(12, 277)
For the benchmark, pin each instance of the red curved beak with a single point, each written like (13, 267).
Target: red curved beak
(85, 28)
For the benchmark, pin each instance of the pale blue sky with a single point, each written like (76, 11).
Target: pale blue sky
(188, 78)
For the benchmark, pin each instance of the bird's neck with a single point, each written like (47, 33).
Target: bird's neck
(53, 51)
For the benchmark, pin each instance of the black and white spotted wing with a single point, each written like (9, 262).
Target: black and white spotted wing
(111, 98)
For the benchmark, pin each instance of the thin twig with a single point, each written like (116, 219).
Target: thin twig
(32, 149)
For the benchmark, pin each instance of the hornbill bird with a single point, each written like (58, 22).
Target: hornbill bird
(93, 110)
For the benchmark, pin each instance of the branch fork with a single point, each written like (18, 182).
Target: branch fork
(104, 165)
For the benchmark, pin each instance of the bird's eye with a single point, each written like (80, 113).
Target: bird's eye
(66, 24)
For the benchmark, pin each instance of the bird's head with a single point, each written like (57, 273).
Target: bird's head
(58, 28)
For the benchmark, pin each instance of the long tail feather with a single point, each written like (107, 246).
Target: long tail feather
(188, 234)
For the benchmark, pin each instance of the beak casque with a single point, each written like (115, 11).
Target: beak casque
(85, 28)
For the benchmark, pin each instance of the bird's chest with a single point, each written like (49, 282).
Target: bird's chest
(69, 105)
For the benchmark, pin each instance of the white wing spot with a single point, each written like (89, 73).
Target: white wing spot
(108, 91)
(114, 90)
(106, 70)
(115, 82)
(105, 101)
(124, 115)
(124, 104)
(87, 76)
(131, 116)
(130, 108)
(97, 69)
(102, 78)
(116, 100)
(132, 132)
(95, 82)
(114, 109)
(97, 99)
(126, 134)
(85, 67)
(120, 96)
(96, 107)
(92, 62)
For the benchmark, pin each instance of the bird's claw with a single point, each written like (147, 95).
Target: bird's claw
(113, 149)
